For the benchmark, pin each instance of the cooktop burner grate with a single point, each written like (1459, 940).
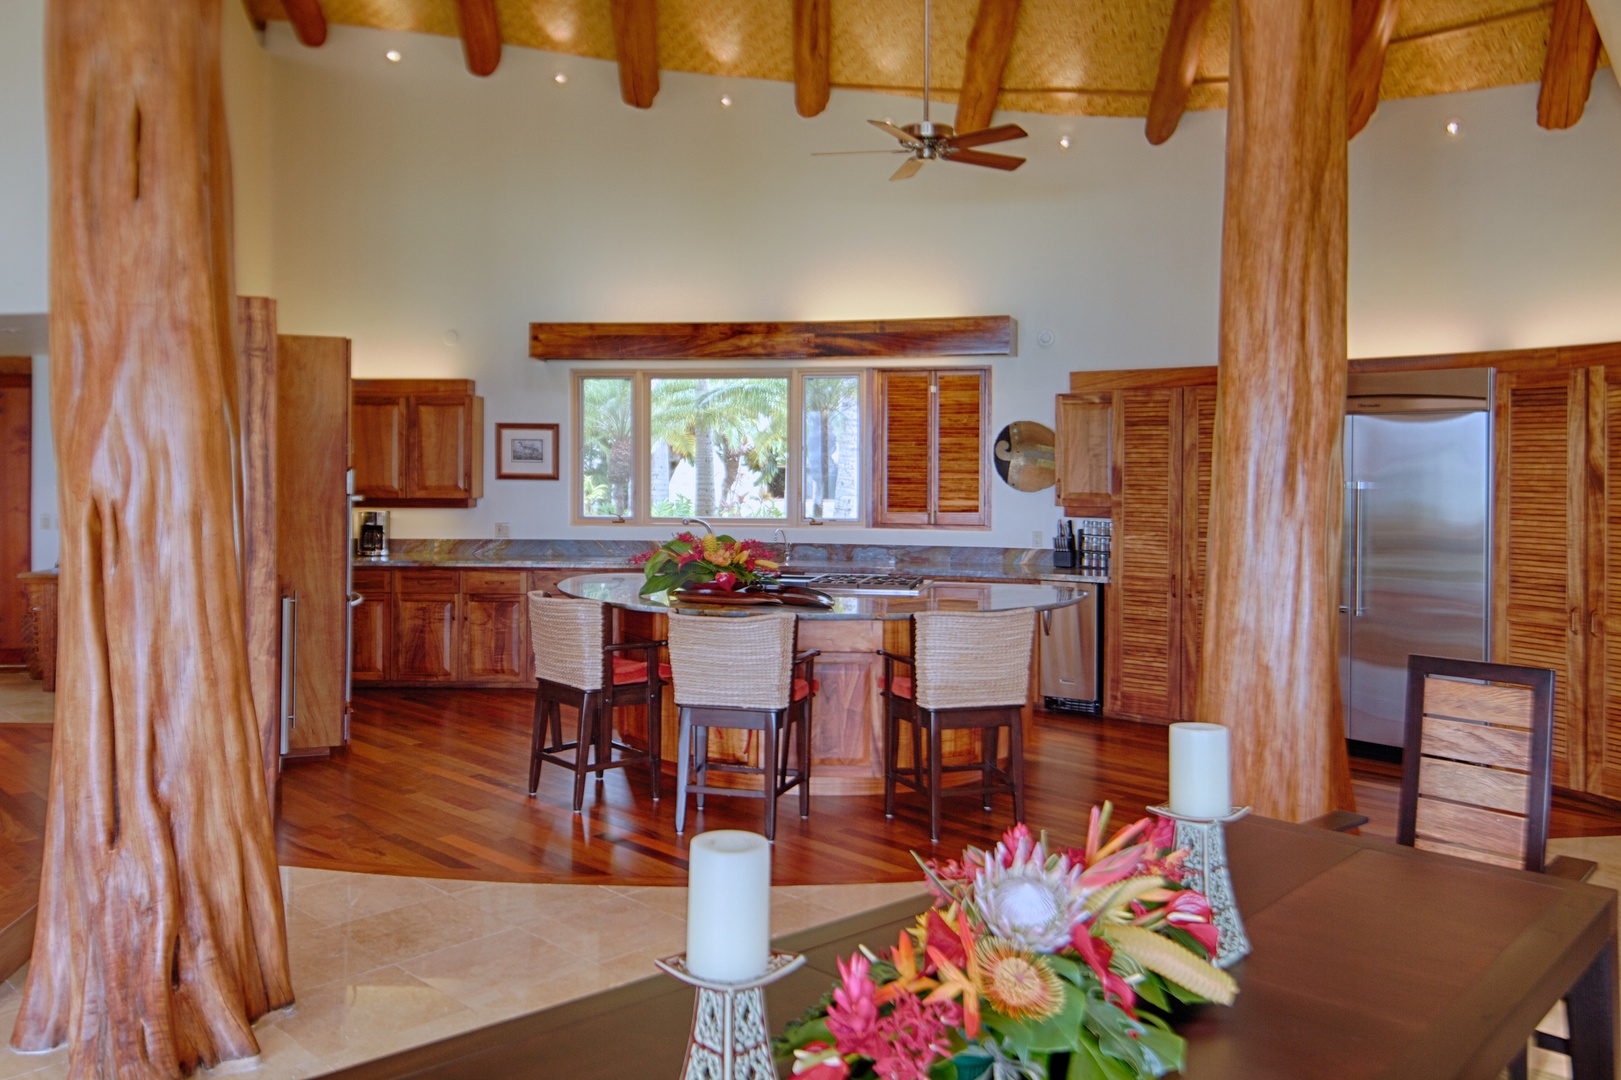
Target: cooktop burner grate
(892, 584)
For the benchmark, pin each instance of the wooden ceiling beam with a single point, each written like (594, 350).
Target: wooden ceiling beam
(1372, 23)
(1567, 73)
(309, 21)
(989, 44)
(971, 335)
(481, 35)
(1178, 65)
(636, 43)
(813, 55)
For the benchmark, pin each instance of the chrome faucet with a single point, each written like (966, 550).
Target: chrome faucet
(708, 528)
(780, 536)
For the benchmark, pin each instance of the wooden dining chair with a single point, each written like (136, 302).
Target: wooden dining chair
(1477, 772)
(742, 672)
(576, 665)
(970, 670)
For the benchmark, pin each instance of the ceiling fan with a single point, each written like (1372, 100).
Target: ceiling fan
(927, 141)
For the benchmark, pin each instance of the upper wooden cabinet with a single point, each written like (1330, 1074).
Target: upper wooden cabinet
(1085, 453)
(417, 442)
(931, 448)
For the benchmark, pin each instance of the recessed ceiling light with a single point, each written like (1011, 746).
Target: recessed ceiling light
(1454, 128)
(560, 78)
(1063, 140)
(393, 56)
(726, 101)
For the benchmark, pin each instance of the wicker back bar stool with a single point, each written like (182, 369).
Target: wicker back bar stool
(969, 670)
(742, 672)
(576, 665)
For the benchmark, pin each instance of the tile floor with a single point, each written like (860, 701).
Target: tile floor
(383, 963)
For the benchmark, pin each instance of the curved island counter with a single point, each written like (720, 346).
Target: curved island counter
(847, 718)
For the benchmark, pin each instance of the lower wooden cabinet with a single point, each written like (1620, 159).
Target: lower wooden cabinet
(495, 622)
(372, 631)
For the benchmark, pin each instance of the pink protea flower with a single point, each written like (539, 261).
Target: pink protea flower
(1027, 898)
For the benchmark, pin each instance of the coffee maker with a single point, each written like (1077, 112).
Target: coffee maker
(371, 538)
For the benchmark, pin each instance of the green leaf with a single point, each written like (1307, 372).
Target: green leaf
(1025, 1037)
(1152, 990)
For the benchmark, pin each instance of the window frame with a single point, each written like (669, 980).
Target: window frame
(640, 512)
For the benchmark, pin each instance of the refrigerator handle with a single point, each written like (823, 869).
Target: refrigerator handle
(1358, 552)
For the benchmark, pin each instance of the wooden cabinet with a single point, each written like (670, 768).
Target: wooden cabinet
(931, 448)
(1557, 557)
(418, 442)
(373, 629)
(427, 625)
(495, 616)
(1135, 446)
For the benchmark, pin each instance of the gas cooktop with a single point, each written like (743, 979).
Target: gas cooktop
(879, 584)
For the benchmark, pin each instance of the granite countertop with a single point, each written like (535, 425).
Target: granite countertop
(622, 590)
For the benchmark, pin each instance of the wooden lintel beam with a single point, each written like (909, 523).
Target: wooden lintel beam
(988, 335)
(813, 55)
(636, 43)
(481, 35)
(1372, 23)
(988, 46)
(309, 21)
(1178, 65)
(1567, 73)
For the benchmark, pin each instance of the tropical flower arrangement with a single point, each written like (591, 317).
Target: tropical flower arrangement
(1029, 956)
(725, 563)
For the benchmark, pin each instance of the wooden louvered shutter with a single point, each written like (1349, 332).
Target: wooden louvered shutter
(1144, 639)
(906, 413)
(1540, 546)
(1604, 653)
(961, 486)
(931, 449)
(1198, 439)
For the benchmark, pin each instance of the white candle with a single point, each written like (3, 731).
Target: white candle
(728, 905)
(1201, 780)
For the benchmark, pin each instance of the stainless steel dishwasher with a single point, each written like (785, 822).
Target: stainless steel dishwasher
(1069, 656)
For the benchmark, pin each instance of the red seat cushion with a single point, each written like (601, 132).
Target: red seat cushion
(801, 690)
(627, 671)
(903, 686)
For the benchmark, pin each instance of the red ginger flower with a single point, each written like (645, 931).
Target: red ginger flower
(853, 1015)
(1097, 953)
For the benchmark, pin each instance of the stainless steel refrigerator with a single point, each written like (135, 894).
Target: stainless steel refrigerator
(1415, 575)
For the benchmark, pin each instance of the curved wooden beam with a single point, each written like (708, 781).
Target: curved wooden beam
(1178, 64)
(309, 21)
(1372, 23)
(813, 55)
(1270, 662)
(1567, 73)
(636, 42)
(988, 46)
(481, 35)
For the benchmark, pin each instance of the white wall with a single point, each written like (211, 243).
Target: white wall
(22, 157)
(246, 68)
(45, 543)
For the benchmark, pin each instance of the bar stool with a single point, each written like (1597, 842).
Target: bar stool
(970, 669)
(741, 672)
(575, 665)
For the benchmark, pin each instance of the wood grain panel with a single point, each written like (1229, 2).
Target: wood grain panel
(312, 524)
(987, 335)
(261, 588)
(1503, 705)
(1470, 826)
(1496, 789)
(1147, 557)
(1092, 382)
(1085, 464)
(1538, 550)
(440, 458)
(1178, 66)
(906, 450)
(1463, 851)
(494, 647)
(1477, 743)
(960, 468)
(427, 637)
(16, 448)
(1198, 457)
(373, 637)
(379, 446)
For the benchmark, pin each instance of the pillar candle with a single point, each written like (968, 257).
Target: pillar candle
(728, 905)
(1201, 780)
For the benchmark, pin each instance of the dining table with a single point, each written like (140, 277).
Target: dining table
(1369, 961)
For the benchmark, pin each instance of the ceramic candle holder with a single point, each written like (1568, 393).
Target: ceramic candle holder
(731, 1037)
(1206, 871)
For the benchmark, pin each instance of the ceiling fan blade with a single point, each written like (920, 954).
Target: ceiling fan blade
(900, 133)
(993, 161)
(988, 135)
(840, 153)
(908, 168)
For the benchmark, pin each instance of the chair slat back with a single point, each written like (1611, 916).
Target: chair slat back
(737, 662)
(568, 638)
(1476, 778)
(973, 659)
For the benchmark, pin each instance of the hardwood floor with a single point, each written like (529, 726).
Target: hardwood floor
(433, 786)
(25, 766)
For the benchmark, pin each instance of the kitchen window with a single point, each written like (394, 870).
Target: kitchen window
(751, 446)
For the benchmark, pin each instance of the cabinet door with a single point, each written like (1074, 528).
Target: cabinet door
(440, 448)
(1604, 653)
(1145, 634)
(427, 625)
(495, 647)
(904, 448)
(1198, 438)
(373, 639)
(377, 433)
(1538, 561)
(1085, 440)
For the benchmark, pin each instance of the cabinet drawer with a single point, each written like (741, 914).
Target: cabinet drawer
(372, 583)
(425, 582)
(494, 581)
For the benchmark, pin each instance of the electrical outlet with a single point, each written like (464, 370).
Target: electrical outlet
(47, 522)
(1035, 537)
(503, 530)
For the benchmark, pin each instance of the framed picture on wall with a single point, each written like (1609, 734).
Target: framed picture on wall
(526, 451)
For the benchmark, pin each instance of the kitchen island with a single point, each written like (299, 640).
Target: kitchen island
(847, 716)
